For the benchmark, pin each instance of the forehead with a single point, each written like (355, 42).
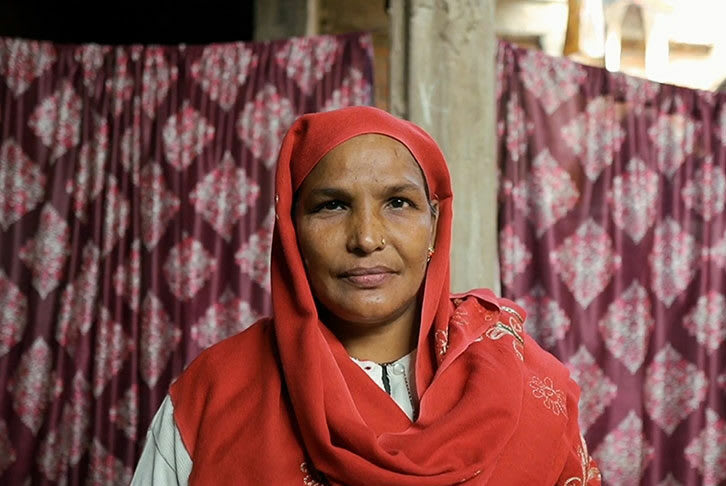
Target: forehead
(366, 158)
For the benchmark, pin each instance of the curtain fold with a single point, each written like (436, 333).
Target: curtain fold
(136, 210)
(613, 236)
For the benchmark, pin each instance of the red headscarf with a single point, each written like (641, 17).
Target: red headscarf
(282, 403)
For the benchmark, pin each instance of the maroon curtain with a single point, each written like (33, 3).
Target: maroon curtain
(613, 236)
(136, 207)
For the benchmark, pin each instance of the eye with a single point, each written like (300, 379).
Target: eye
(400, 202)
(332, 205)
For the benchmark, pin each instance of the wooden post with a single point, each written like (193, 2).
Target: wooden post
(572, 38)
(446, 84)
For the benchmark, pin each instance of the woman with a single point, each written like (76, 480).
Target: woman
(370, 372)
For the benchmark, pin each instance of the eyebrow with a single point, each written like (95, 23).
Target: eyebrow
(333, 192)
(409, 186)
(338, 192)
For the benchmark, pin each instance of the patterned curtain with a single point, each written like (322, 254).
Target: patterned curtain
(136, 195)
(613, 236)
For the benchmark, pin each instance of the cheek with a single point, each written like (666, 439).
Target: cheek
(416, 237)
(317, 248)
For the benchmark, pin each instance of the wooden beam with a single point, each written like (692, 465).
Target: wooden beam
(572, 38)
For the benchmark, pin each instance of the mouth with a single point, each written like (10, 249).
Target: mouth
(367, 277)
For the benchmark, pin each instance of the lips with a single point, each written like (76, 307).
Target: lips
(368, 277)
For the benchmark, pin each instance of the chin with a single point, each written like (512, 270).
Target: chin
(362, 315)
(367, 312)
(365, 307)
(370, 320)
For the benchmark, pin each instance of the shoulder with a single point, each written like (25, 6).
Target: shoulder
(508, 309)
(235, 370)
(511, 309)
(511, 319)
(245, 352)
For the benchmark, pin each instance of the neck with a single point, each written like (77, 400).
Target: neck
(380, 342)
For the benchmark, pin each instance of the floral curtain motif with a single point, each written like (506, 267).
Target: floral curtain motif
(612, 236)
(136, 214)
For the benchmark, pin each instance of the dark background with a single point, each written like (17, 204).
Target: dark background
(128, 21)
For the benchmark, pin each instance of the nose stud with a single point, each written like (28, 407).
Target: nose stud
(383, 242)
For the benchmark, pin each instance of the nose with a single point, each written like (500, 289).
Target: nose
(366, 231)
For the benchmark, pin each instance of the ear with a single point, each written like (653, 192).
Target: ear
(434, 203)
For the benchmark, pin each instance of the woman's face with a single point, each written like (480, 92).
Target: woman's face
(364, 226)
